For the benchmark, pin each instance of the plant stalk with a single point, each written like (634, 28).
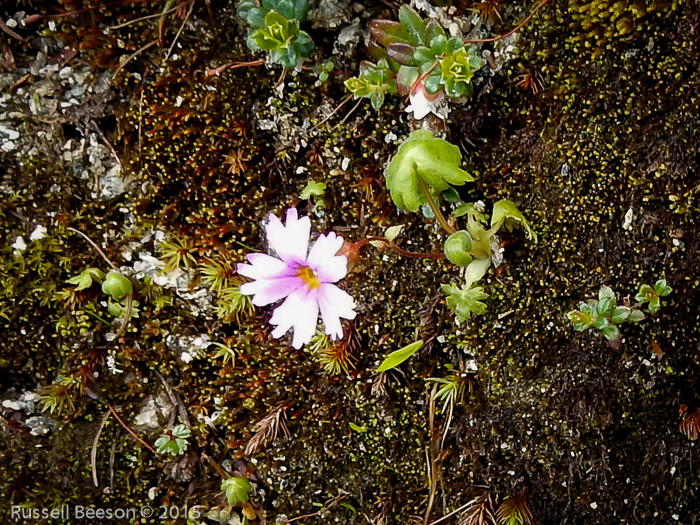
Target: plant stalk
(433, 206)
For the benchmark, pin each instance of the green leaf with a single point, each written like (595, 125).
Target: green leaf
(402, 53)
(620, 314)
(581, 320)
(469, 208)
(654, 305)
(611, 333)
(635, 316)
(174, 444)
(394, 359)
(405, 78)
(413, 24)
(476, 270)
(117, 285)
(236, 490)
(606, 301)
(386, 32)
(465, 300)
(506, 213)
(432, 160)
(301, 8)
(313, 189)
(86, 278)
(118, 309)
(646, 293)
(392, 232)
(361, 429)
(457, 247)
(662, 288)
(450, 195)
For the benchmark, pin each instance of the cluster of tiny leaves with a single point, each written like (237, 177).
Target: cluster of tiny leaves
(604, 315)
(173, 443)
(275, 29)
(653, 296)
(413, 51)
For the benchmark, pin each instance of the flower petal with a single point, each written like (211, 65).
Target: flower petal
(335, 303)
(268, 291)
(298, 311)
(262, 267)
(291, 240)
(329, 267)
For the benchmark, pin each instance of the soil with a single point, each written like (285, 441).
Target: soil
(587, 119)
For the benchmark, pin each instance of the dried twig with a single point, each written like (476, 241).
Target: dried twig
(149, 447)
(93, 452)
(431, 456)
(132, 56)
(516, 28)
(333, 502)
(176, 403)
(187, 17)
(9, 31)
(268, 428)
(233, 65)
(147, 17)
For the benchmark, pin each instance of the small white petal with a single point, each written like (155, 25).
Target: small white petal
(268, 291)
(329, 267)
(300, 311)
(19, 244)
(291, 240)
(38, 233)
(335, 303)
(262, 267)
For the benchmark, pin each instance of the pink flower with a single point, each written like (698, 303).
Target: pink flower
(301, 275)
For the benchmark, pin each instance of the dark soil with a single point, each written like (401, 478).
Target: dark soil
(596, 113)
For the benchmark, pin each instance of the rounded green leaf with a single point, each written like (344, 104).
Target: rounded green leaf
(117, 285)
(434, 160)
(236, 490)
(457, 248)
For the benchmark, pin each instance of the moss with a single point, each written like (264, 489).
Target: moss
(561, 413)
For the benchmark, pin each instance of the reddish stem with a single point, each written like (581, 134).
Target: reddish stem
(401, 251)
(516, 28)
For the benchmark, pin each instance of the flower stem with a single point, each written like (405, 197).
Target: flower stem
(401, 251)
(433, 206)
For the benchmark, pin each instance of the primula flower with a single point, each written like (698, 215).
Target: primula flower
(305, 277)
(422, 103)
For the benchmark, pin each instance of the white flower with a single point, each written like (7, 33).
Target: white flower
(422, 104)
(38, 233)
(19, 244)
(301, 276)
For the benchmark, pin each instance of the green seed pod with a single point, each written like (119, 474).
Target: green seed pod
(116, 285)
(457, 248)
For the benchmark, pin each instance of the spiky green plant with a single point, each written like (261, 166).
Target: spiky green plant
(514, 510)
(59, 395)
(226, 353)
(233, 305)
(217, 273)
(177, 253)
(452, 390)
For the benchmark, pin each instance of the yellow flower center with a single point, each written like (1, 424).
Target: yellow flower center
(309, 277)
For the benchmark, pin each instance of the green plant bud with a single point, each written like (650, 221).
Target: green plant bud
(457, 248)
(117, 285)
